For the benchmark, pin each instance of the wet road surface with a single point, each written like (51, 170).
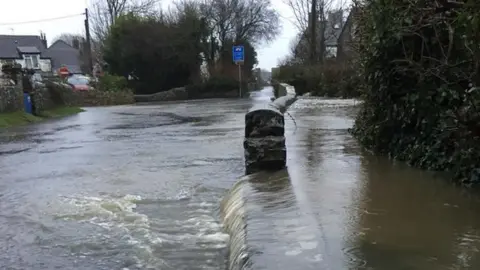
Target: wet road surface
(138, 187)
(133, 187)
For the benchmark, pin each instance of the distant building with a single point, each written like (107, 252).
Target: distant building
(346, 38)
(330, 29)
(28, 51)
(275, 72)
(64, 55)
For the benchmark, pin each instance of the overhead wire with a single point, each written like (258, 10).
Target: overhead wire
(42, 20)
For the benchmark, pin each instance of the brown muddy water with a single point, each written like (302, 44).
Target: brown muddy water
(139, 187)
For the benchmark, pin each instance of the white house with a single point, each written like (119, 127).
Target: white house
(28, 51)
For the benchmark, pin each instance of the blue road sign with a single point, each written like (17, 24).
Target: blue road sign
(238, 54)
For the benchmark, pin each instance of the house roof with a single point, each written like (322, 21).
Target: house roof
(9, 45)
(332, 34)
(62, 54)
(332, 28)
(356, 10)
(27, 49)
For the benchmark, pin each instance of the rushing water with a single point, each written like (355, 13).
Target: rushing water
(139, 187)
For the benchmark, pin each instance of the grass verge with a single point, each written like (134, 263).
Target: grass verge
(60, 112)
(22, 118)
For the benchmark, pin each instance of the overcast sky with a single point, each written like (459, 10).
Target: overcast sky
(14, 12)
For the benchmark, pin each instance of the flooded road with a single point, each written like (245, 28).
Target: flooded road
(128, 187)
(138, 187)
(339, 207)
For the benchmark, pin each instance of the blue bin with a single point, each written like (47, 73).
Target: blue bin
(27, 101)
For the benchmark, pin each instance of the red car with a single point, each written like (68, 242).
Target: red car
(79, 83)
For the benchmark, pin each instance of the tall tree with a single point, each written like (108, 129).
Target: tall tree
(253, 21)
(161, 54)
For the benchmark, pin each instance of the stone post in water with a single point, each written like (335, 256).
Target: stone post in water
(264, 142)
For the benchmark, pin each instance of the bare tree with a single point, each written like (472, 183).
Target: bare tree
(301, 10)
(231, 21)
(252, 20)
(105, 12)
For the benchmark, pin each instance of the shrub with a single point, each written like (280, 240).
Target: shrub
(332, 79)
(421, 63)
(59, 93)
(214, 85)
(276, 87)
(111, 83)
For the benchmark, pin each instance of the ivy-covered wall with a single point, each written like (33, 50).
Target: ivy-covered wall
(421, 65)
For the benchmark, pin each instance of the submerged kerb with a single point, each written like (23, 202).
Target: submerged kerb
(264, 129)
(233, 215)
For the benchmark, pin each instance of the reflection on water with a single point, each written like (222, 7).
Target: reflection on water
(273, 190)
(280, 234)
(263, 95)
(410, 220)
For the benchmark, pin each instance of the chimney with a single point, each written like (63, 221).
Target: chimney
(335, 18)
(76, 43)
(44, 39)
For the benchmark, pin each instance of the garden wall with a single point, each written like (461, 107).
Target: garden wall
(55, 94)
(11, 99)
(61, 94)
(181, 93)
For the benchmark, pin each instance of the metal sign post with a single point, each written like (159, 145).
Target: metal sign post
(238, 54)
(239, 80)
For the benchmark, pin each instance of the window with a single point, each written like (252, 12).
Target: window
(78, 80)
(32, 61)
(354, 30)
(331, 52)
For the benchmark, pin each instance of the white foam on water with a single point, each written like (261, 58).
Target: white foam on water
(232, 210)
(317, 102)
(201, 163)
(118, 215)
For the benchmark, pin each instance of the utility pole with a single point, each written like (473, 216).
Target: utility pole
(321, 32)
(313, 32)
(88, 47)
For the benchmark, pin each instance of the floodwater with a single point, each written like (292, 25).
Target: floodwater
(138, 187)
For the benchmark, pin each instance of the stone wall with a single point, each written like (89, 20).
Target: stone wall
(100, 98)
(282, 89)
(54, 94)
(62, 94)
(42, 100)
(228, 94)
(11, 98)
(179, 93)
